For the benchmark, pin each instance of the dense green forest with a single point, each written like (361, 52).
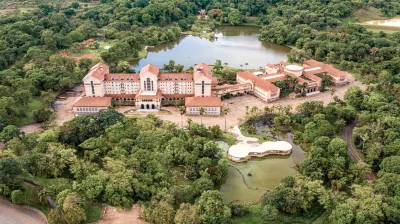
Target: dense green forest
(117, 160)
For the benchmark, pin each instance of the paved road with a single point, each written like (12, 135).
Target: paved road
(10, 214)
(347, 134)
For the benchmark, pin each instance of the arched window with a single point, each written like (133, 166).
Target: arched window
(148, 87)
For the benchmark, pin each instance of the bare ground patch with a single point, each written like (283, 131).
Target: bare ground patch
(112, 215)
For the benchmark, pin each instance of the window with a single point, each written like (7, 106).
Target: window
(91, 83)
(152, 87)
(148, 84)
(202, 87)
(144, 84)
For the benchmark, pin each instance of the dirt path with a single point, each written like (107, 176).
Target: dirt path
(111, 215)
(347, 134)
(12, 214)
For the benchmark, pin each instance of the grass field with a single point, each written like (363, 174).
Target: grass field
(35, 104)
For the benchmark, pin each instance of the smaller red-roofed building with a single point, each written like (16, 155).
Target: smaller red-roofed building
(91, 105)
(211, 105)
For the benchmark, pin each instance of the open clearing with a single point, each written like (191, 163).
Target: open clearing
(111, 215)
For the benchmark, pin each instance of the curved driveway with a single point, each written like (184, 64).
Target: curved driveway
(11, 214)
(347, 134)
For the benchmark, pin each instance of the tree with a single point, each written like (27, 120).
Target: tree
(17, 197)
(189, 122)
(9, 132)
(354, 96)
(187, 214)
(212, 209)
(54, 217)
(73, 210)
(41, 115)
(182, 111)
(225, 111)
(10, 169)
(201, 112)
(235, 18)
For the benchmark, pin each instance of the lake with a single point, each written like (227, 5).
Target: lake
(266, 172)
(394, 22)
(235, 45)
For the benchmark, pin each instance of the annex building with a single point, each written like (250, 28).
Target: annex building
(309, 75)
(150, 88)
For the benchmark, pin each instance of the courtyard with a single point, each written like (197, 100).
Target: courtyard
(238, 105)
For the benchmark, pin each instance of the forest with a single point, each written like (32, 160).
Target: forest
(119, 161)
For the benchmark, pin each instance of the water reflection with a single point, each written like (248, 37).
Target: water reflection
(266, 172)
(236, 45)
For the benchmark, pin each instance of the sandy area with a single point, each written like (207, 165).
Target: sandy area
(64, 110)
(111, 215)
(31, 128)
(14, 214)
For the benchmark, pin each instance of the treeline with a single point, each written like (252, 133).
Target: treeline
(328, 178)
(318, 31)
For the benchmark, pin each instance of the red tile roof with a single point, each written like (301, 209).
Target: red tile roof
(247, 75)
(175, 77)
(313, 63)
(203, 102)
(265, 85)
(203, 69)
(93, 102)
(122, 77)
(334, 71)
(98, 71)
(150, 68)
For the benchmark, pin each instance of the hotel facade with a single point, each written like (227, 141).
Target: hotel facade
(150, 89)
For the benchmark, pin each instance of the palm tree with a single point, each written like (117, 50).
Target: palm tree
(189, 121)
(182, 111)
(226, 63)
(201, 111)
(247, 111)
(246, 64)
(225, 111)
(241, 65)
(332, 91)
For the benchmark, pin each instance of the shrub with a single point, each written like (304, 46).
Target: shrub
(17, 197)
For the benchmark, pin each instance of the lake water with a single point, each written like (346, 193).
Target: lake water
(235, 45)
(394, 22)
(266, 173)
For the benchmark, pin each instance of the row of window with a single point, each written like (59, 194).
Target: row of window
(207, 109)
(88, 109)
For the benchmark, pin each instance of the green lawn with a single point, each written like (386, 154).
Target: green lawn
(261, 138)
(229, 138)
(35, 104)
(93, 212)
(255, 216)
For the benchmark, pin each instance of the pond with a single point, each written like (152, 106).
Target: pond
(235, 45)
(266, 173)
(394, 22)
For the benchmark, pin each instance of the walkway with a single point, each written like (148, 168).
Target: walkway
(347, 134)
(12, 214)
